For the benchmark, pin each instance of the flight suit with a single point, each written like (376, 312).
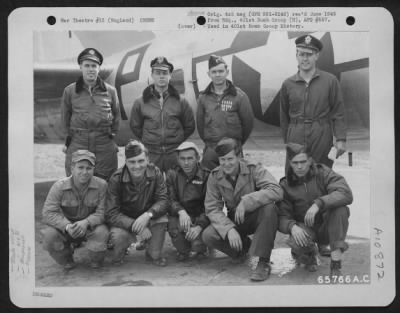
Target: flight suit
(312, 113)
(258, 190)
(229, 115)
(90, 118)
(187, 193)
(64, 205)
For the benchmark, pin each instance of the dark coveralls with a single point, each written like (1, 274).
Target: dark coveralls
(162, 124)
(258, 190)
(330, 192)
(312, 113)
(187, 193)
(126, 202)
(64, 205)
(229, 115)
(90, 119)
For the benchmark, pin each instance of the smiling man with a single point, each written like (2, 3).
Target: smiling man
(223, 110)
(187, 189)
(311, 105)
(161, 118)
(314, 209)
(74, 212)
(249, 193)
(91, 116)
(137, 203)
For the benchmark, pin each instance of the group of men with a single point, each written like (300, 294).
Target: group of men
(217, 201)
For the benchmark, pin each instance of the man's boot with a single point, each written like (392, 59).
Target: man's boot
(262, 270)
(335, 268)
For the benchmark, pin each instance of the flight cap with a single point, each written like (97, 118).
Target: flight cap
(90, 54)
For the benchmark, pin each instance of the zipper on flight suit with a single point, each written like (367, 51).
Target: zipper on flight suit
(304, 112)
(162, 119)
(305, 187)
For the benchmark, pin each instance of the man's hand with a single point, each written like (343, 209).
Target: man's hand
(184, 220)
(340, 148)
(193, 233)
(82, 225)
(300, 236)
(239, 213)
(310, 215)
(73, 230)
(140, 223)
(145, 234)
(234, 240)
(64, 149)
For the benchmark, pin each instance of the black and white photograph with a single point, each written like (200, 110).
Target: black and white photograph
(230, 150)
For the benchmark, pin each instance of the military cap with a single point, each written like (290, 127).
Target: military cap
(90, 54)
(293, 149)
(80, 155)
(162, 64)
(215, 60)
(226, 145)
(186, 146)
(309, 42)
(133, 148)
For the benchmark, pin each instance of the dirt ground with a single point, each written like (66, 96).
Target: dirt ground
(215, 270)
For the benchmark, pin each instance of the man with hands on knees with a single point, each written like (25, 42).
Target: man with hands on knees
(314, 209)
(137, 204)
(74, 212)
(249, 193)
(186, 185)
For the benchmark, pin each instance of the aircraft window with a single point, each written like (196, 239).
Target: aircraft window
(177, 79)
(130, 63)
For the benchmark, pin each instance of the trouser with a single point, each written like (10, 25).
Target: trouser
(263, 223)
(210, 157)
(317, 136)
(332, 230)
(164, 161)
(179, 241)
(60, 245)
(99, 143)
(121, 239)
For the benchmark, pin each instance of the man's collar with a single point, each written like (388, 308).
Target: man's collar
(80, 84)
(231, 89)
(298, 77)
(69, 184)
(197, 174)
(149, 92)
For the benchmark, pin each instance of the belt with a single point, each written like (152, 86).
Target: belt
(106, 130)
(157, 149)
(308, 120)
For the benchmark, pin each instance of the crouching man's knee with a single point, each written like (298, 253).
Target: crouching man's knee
(53, 240)
(209, 236)
(98, 239)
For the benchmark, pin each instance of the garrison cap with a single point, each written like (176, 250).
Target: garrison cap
(186, 146)
(215, 60)
(162, 64)
(133, 148)
(309, 42)
(90, 54)
(80, 155)
(293, 149)
(226, 145)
